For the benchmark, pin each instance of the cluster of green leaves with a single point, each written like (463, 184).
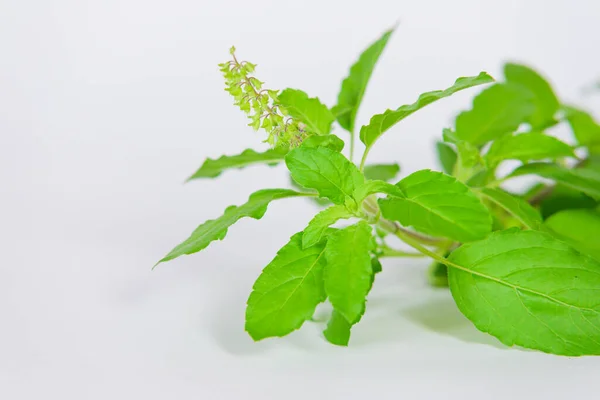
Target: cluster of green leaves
(523, 267)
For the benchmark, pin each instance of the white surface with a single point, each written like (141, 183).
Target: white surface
(105, 108)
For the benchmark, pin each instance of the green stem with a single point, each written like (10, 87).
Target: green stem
(389, 252)
(364, 158)
(352, 144)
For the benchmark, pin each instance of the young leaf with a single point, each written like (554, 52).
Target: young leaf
(316, 116)
(381, 172)
(348, 274)
(327, 171)
(213, 168)
(527, 147)
(585, 129)
(529, 289)
(584, 180)
(330, 141)
(546, 103)
(287, 291)
(498, 110)
(447, 157)
(319, 224)
(216, 229)
(338, 329)
(380, 123)
(522, 210)
(371, 187)
(579, 228)
(354, 86)
(438, 205)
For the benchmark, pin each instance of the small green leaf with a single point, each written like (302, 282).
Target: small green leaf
(371, 187)
(584, 180)
(380, 123)
(216, 229)
(579, 228)
(381, 172)
(287, 291)
(546, 103)
(338, 329)
(354, 86)
(522, 210)
(325, 170)
(563, 198)
(528, 289)
(584, 127)
(213, 168)
(438, 205)
(527, 147)
(376, 264)
(447, 157)
(319, 224)
(330, 141)
(348, 274)
(498, 110)
(317, 117)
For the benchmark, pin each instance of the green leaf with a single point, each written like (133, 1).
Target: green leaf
(330, 141)
(585, 129)
(316, 116)
(216, 229)
(438, 205)
(338, 329)
(528, 289)
(371, 187)
(447, 157)
(327, 171)
(381, 172)
(213, 168)
(579, 228)
(348, 274)
(563, 198)
(380, 123)
(287, 291)
(354, 86)
(319, 224)
(546, 103)
(376, 264)
(527, 147)
(498, 110)
(522, 210)
(584, 180)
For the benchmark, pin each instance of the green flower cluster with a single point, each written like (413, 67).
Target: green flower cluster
(261, 105)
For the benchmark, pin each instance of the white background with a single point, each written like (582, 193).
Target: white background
(107, 106)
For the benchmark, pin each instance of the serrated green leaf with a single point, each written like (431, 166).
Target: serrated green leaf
(584, 127)
(354, 86)
(522, 210)
(330, 141)
(579, 228)
(381, 172)
(319, 224)
(447, 157)
(528, 289)
(287, 291)
(438, 205)
(216, 229)
(497, 110)
(348, 274)
(327, 171)
(213, 168)
(527, 147)
(584, 180)
(338, 329)
(371, 187)
(546, 103)
(309, 110)
(380, 123)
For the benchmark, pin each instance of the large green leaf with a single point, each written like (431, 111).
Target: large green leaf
(354, 86)
(381, 172)
(585, 128)
(316, 116)
(527, 147)
(348, 274)
(216, 229)
(380, 123)
(498, 110)
(584, 180)
(338, 329)
(330, 141)
(287, 291)
(325, 170)
(318, 225)
(580, 228)
(522, 210)
(213, 168)
(528, 289)
(546, 103)
(438, 205)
